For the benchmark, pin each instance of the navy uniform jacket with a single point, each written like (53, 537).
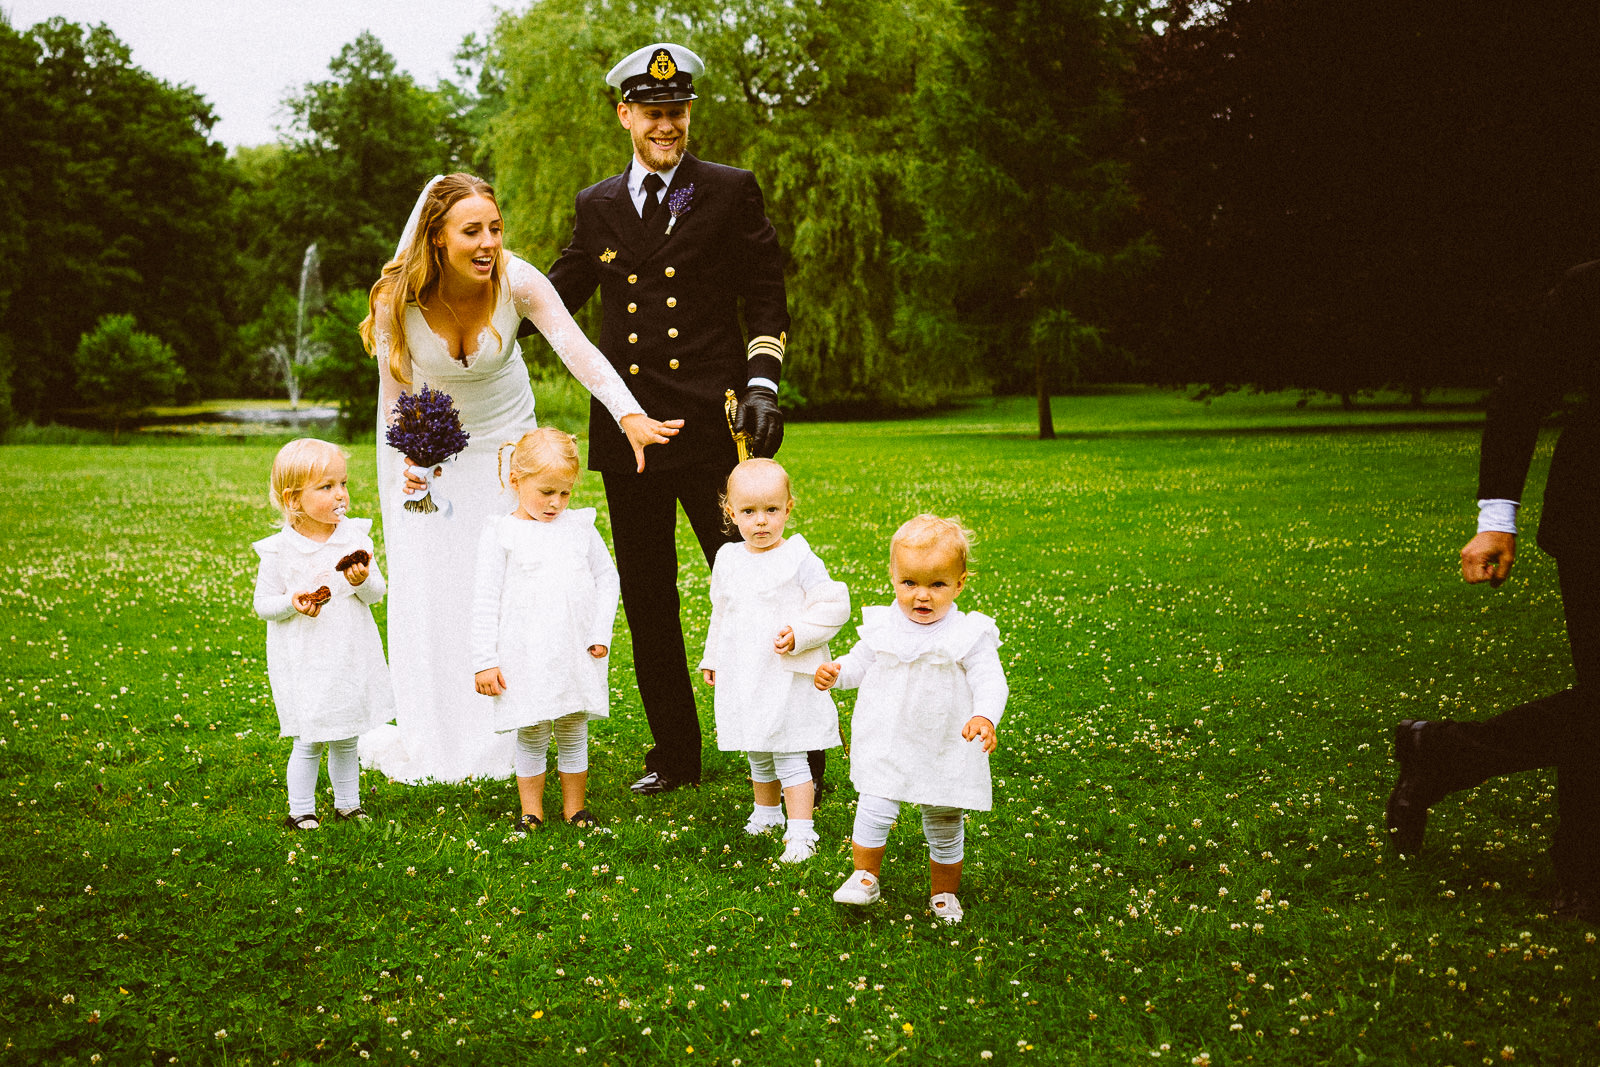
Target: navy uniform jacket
(1563, 356)
(671, 303)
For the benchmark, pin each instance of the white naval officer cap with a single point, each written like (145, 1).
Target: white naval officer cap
(657, 73)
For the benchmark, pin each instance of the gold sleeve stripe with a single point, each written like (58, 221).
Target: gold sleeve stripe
(766, 345)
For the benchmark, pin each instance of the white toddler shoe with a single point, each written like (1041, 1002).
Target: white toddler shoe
(860, 888)
(799, 846)
(946, 907)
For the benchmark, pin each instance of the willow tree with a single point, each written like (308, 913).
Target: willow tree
(814, 98)
(1025, 202)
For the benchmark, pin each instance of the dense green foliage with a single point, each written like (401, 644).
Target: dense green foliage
(344, 370)
(1353, 193)
(123, 371)
(113, 204)
(975, 198)
(1211, 615)
(940, 186)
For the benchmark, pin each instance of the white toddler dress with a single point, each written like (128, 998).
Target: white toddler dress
(328, 675)
(766, 702)
(546, 591)
(919, 686)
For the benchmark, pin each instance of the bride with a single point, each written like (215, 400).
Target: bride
(444, 314)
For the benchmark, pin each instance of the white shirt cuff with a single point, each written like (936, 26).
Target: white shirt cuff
(1497, 515)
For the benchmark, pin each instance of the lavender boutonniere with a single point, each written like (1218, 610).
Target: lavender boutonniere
(679, 203)
(427, 430)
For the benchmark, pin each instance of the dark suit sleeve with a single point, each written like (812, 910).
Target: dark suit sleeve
(574, 273)
(766, 305)
(1554, 359)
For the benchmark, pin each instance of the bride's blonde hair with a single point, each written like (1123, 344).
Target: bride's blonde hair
(412, 276)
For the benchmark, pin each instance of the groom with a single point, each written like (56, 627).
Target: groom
(678, 249)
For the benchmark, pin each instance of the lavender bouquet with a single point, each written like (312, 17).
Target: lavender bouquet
(427, 429)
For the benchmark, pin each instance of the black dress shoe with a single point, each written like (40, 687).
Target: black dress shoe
(655, 782)
(1406, 814)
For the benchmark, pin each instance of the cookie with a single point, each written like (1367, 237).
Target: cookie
(360, 555)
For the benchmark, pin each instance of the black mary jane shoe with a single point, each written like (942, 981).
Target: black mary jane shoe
(526, 824)
(302, 822)
(583, 819)
(355, 814)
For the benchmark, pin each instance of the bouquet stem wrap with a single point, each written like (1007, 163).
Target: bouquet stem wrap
(426, 430)
(428, 499)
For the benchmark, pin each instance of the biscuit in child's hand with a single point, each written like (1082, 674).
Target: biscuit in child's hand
(359, 557)
(321, 596)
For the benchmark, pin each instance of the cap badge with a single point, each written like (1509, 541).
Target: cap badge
(661, 65)
(608, 255)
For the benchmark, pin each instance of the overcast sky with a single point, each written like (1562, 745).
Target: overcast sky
(245, 55)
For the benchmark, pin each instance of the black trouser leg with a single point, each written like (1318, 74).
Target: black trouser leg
(1575, 846)
(1561, 730)
(644, 515)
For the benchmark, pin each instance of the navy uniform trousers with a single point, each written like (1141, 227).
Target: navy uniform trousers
(1561, 730)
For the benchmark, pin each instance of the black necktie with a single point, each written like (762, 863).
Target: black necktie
(652, 199)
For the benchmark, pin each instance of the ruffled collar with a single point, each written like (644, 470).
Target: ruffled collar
(348, 532)
(886, 629)
(763, 572)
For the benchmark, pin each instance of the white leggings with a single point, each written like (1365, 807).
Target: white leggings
(790, 768)
(572, 745)
(943, 827)
(344, 769)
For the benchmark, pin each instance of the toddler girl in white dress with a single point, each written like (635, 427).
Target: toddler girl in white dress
(932, 690)
(773, 609)
(546, 599)
(315, 587)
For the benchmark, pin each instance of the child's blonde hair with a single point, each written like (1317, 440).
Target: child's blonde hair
(297, 465)
(751, 466)
(927, 531)
(537, 451)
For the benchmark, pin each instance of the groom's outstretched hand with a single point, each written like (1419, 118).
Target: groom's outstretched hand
(759, 417)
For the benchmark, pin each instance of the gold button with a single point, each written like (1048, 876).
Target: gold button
(633, 338)
(672, 332)
(632, 308)
(670, 272)
(633, 368)
(672, 363)
(672, 301)
(632, 278)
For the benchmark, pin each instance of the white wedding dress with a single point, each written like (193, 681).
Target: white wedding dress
(444, 730)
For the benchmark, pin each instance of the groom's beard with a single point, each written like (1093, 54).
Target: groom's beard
(657, 158)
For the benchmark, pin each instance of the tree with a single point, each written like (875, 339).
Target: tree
(115, 199)
(123, 371)
(358, 149)
(344, 373)
(812, 97)
(361, 146)
(1358, 194)
(1025, 210)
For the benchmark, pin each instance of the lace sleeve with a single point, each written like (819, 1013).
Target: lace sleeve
(388, 388)
(536, 299)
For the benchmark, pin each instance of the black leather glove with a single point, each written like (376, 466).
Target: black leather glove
(759, 417)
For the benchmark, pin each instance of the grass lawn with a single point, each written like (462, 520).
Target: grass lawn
(1212, 616)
